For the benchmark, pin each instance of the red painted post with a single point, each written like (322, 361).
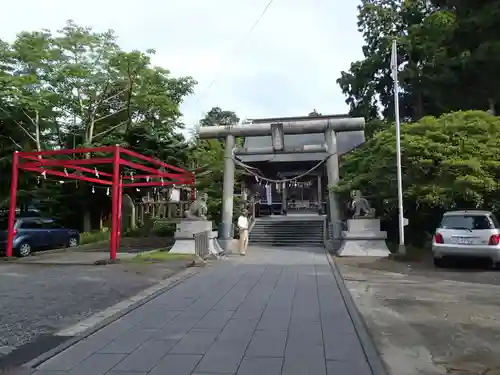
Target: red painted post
(114, 204)
(120, 200)
(12, 206)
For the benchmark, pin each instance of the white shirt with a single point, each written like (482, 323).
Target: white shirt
(242, 222)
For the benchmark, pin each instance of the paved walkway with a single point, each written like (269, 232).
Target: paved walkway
(274, 312)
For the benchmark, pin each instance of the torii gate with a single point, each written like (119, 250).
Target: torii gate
(329, 126)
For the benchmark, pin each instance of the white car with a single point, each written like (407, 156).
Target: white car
(467, 234)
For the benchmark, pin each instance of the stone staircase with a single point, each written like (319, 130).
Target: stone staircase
(292, 230)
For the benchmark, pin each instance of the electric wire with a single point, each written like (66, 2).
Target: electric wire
(235, 51)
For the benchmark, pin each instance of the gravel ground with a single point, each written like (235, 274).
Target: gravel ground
(428, 321)
(37, 299)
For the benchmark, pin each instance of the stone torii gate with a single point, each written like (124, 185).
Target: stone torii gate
(330, 127)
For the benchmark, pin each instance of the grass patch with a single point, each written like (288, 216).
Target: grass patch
(413, 253)
(160, 255)
(94, 237)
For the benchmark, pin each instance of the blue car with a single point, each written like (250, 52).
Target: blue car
(35, 233)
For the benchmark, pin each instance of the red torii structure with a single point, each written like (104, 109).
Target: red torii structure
(41, 162)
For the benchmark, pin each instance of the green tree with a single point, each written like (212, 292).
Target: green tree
(216, 116)
(448, 162)
(77, 88)
(425, 34)
(208, 159)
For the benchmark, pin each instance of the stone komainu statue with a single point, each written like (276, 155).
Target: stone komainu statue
(360, 205)
(198, 209)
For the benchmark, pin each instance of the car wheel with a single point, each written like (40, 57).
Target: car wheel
(439, 263)
(24, 249)
(73, 242)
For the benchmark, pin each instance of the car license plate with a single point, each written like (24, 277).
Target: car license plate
(464, 241)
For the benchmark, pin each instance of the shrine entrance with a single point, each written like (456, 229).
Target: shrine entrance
(275, 148)
(302, 197)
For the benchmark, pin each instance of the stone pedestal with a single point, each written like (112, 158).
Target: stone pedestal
(364, 238)
(184, 235)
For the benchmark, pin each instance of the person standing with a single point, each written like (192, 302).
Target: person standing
(243, 230)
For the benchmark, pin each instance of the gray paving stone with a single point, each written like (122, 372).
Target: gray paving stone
(222, 358)
(267, 344)
(234, 298)
(238, 331)
(274, 310)
(305, 362)
(344, 348)
(129, 341)
(176, 364)
(146, 356)
(169, 302)
(334, 325)
(96, 364)
(214, 320)
(71, 357)
(276, 320)
(158, 319)
(260, 366)
(359, 367)
(309, 334)
(195, 342)
(177, 327)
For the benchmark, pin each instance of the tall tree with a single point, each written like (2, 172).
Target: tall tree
(449, 162)
(425, 35)
(216, 116)
(76, 88)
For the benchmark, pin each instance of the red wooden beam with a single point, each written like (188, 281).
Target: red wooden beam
(66, 151)
(66, 163)
(153, 160)
(69, 175)
(154, 172)
(77, 168)
(153, 183)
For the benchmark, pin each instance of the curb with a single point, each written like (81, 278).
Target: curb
(372, 355)
(176, 280)
(60, 251)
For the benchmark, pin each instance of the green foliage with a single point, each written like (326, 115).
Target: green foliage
(450, 162)
(93, 237)
(76, 87)
(208, 156)
(163, 229)
(448, 53)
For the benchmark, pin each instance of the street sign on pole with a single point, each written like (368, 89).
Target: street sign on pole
(394, 71)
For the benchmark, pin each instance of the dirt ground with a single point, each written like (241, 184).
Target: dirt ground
(427, 321)
(38, 299)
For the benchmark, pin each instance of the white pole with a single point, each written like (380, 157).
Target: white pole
(394, 68)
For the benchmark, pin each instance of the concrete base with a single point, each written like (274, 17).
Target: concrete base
(229, 245)
(184, 235)
(364, 248)
(364, 238)
(183, 247)
(186, 229)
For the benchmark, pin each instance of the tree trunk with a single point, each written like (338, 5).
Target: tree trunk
(491, 109)
(87, 221)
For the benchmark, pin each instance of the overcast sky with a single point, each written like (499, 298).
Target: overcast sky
(286, 67)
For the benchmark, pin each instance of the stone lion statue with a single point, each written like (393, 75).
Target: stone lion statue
(360, 205)
(198, 209)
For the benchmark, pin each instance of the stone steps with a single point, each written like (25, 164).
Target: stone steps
(300, 231)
